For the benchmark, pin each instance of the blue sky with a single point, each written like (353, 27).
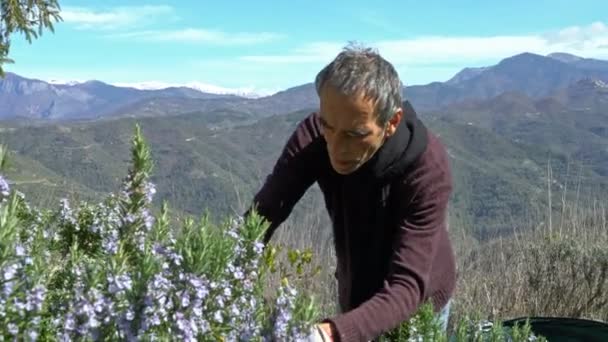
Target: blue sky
(271, 45)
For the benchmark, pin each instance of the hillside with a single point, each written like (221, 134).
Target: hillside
(286, 101)
(571, 120)
(199, 168)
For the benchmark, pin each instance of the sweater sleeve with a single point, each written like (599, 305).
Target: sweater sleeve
(293, 173)
(422, 216)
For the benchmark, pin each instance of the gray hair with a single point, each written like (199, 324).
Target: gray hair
(361, 69)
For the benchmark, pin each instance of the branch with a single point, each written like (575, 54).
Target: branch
(29, 17)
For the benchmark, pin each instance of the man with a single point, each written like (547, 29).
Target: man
(386, 182)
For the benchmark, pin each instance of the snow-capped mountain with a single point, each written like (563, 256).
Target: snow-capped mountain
(32, 98)
(202, 87)
(248, 92)
(65, 82)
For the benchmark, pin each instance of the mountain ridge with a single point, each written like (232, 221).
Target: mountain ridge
(536, 75)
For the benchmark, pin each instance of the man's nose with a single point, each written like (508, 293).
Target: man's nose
(338, 148)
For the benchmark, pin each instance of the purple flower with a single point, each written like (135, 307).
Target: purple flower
(130, 218)
(233, 234)
(119, 283)
(284, 304)
(110, 242)
(148, 219)
(197, 308)
(70, 322)
(19, 250)
(35, 298)
(19, 305)
(149, 190)
(156, 301)
(239, 275)
(4, 188)
(95, 227)
(188, 327)
(217, 316)
(248, 285)
(184, 299)
(66, 212)
(220, 301)
(236, 222)
(258, 247)
(13, 329)
(234, 310)
(32, 334)
(8, 288)
(168, 253)
(10, 271)
(130, 315)
(201, 292)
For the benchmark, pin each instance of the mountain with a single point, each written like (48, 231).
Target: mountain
(587, 93)
(565, 57)
(34, 99)
(572, 120)
(197, 86)
(31, 99)
(532, 74)
(286, 101)
(465, 74)
(580, 62)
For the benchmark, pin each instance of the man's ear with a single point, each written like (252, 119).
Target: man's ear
(393, 123)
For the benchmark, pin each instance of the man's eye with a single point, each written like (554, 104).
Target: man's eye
(357, 134)
(325, 126)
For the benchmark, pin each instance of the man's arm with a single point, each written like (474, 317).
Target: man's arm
(422, 219)
(294, 172)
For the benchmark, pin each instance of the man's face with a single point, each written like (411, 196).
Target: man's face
(351, 130)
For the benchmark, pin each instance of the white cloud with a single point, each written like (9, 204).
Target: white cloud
(577, 33)
(134, 17)
(592, 38)
(197, 35)
(316, 52)
(117, 17)
(585, 41)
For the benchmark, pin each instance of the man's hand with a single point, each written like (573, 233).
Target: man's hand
(327, 331)
(320, 333)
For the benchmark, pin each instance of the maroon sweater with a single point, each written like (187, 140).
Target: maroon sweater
(389, 222)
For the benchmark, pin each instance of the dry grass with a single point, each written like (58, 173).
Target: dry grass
(550, 267)
(312, 231)
(558, 269)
